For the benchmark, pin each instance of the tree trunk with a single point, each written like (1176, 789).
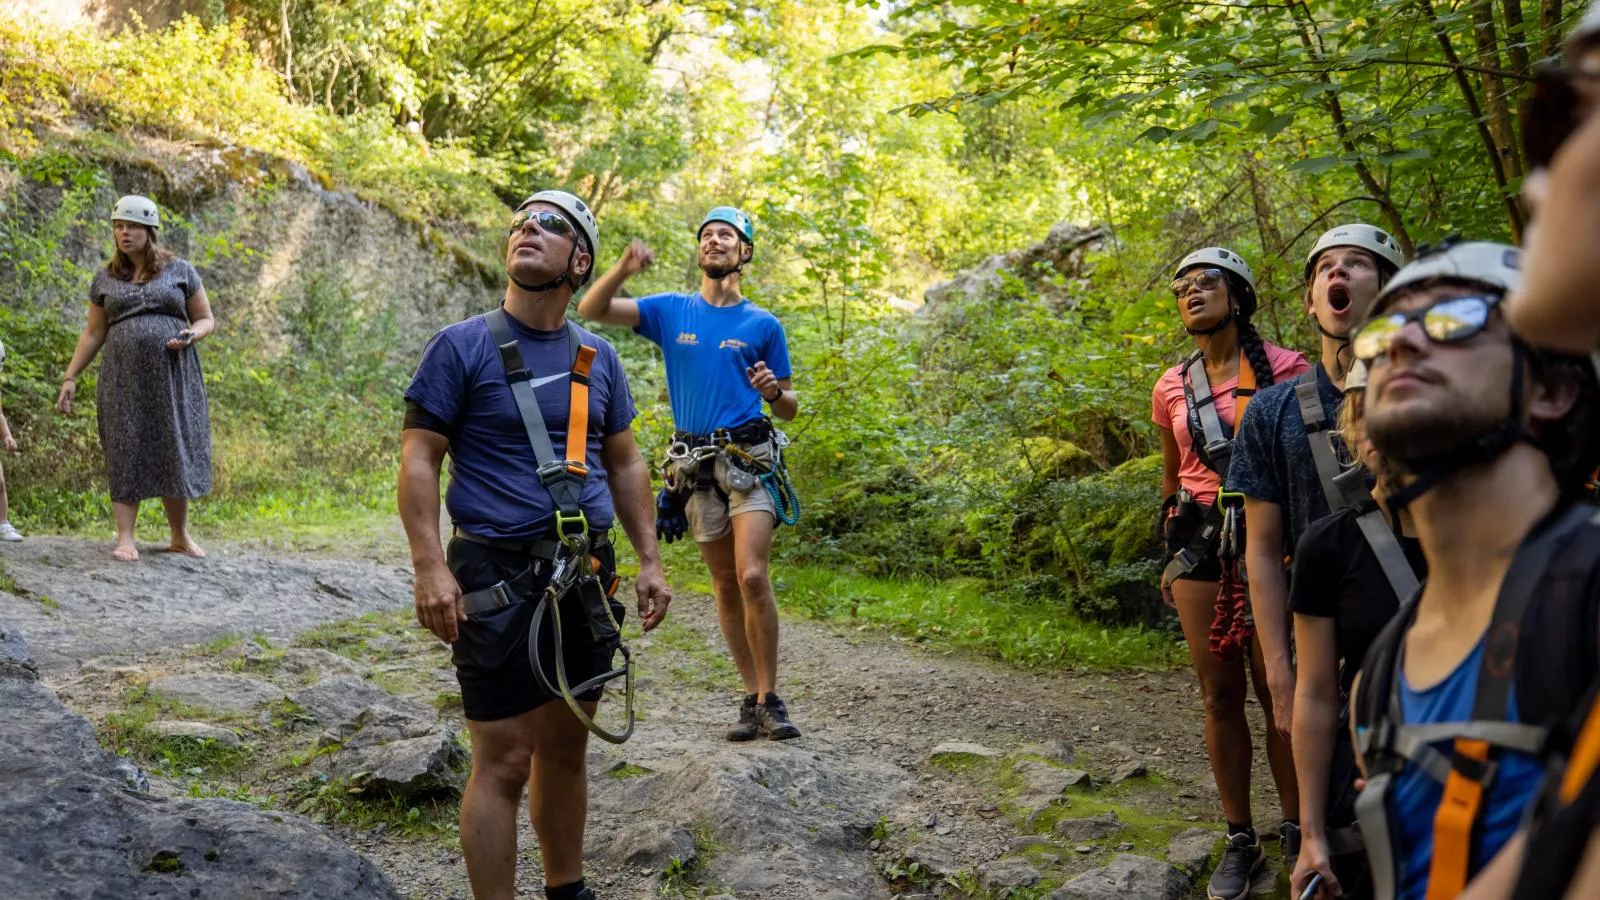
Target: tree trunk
(1495, 97)
(1550, 23)
(1517, 40)
(1468, 96)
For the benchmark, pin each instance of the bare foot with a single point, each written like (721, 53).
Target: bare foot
(125, 553)
(186, 546)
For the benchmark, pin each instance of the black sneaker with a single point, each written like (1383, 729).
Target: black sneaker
(774, 720)
(747, 729)
(1290, 833)
(1240, 859)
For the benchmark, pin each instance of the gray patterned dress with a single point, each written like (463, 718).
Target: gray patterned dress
(155, 429)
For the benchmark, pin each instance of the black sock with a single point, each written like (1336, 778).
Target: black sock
(566, 891)
(772, 700)
(752, 699)
(1242, 828)
(1294, 822)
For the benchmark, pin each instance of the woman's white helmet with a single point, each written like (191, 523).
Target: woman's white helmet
(1221, 258)
(1372, 239)
(134, 208)
(576, 210)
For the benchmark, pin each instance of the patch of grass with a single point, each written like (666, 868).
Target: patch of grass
(165, 862)
(699, 663)
(9, 585)
(333, 802)
(349, 637)
(681, 879)
(220, 644)
(961, 614)
(627, 770)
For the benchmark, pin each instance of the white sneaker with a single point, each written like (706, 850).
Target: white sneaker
(8, 532)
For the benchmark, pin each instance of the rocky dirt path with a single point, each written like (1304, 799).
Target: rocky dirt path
(316, 682)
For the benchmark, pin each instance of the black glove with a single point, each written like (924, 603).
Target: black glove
(672, 523)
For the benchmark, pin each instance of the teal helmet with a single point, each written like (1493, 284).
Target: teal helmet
(735, 217)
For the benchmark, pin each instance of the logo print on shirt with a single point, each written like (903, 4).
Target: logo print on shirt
(688, 337)
(732, 344)
(541, 382)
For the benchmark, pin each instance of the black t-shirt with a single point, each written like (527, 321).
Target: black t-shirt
(1337, 576)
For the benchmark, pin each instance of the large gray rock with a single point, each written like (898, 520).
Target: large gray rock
(1043, 784)
(651, 844)
(337, 702)
(1054, 268)
(1009, 873)
(1092, 828)
(315, 661)
(779, 814)
(195, 731)
(1128, 877)
(15, 661)
(962, 752)
(392, 751)
(1191, 850)
(73, 823)
(226, 694)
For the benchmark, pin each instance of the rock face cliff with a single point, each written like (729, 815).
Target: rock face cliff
(76, 821)
(264, 233)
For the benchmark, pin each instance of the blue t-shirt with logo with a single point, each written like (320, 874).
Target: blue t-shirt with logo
(1417, 795)
(495, 490)
(707, 350)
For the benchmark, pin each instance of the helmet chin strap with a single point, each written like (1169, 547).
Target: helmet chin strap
(553, 283)
(1207, 332)
(1485, 449)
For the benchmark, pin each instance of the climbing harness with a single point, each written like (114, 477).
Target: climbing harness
(698, 454)
(575, 585)
(1231, 627)
(1346, 488)
(1468, 770)
(1215, 444)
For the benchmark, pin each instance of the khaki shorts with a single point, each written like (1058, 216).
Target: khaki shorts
(710, 516)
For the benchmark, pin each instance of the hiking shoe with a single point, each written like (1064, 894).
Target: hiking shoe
(773, 718)
(1290, 833)
(8, 532)
(747, 729)
(1241, 857)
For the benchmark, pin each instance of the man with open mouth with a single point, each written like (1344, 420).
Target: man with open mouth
(1283, 433)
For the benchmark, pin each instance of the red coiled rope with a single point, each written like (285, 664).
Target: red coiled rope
(1232, 628)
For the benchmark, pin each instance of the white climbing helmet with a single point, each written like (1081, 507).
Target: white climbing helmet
(577, 210)
(1496, 265)
(1220, 257)
(1583, 34)
(1374, 240)
(134, 208)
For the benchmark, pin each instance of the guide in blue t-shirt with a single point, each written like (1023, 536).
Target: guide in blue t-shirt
(725, 356)
(481, 593)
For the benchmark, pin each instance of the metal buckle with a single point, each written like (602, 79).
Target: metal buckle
(1232, 507)
(573, 530)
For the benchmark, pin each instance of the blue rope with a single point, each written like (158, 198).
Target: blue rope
(785, 502)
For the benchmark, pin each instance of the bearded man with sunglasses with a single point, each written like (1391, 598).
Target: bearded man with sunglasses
(504, 509)
(725, 357)
(1490, 441)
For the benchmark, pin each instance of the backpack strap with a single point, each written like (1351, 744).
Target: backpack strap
(1352, 485)
(1317, 435)
(562, 477)
(1473, 758)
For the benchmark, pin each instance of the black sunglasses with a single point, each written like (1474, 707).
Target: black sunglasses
(1448, 321)
(1205, 280)
(549, 222)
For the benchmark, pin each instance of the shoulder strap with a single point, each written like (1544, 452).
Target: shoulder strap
(563, 478)
(1472, 760)
(1353, 493)
(1218, 438)
(1305, 391)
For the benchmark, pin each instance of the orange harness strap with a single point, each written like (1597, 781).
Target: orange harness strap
(1585, 757)
(578, 412)
(1243, 393)
(1454, 823)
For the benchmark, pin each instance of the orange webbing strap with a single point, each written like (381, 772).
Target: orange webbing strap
(1585, 757)
(1454, 823)
(578, 412)
(1243, 393)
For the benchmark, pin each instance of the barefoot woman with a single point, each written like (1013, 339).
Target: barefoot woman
(147, 308)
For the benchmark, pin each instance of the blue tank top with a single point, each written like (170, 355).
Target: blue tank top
(1417, 796)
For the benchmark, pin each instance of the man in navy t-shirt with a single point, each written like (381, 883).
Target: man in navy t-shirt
(460, 403)
(725, 357)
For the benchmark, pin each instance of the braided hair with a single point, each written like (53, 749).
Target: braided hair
(1251, 347)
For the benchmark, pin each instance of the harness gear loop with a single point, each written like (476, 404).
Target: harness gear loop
(576, 571)
(1231, 627)
(564, 476)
